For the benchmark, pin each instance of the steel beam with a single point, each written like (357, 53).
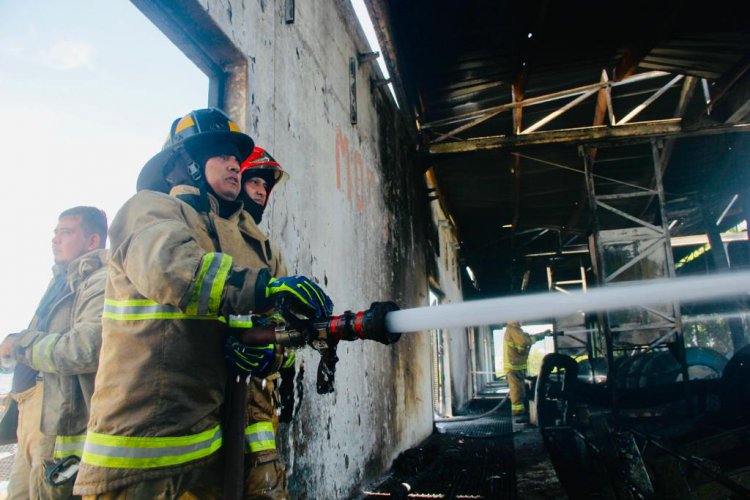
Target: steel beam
(630, 133)
(553, 96)
(650, 100)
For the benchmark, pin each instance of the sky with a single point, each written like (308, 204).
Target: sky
(372, 39)
(88, 90)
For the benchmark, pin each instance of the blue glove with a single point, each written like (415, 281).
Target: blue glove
(304, 295)
(247, 360)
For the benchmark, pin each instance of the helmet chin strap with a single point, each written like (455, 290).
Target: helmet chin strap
(194, 177)
(193, 169)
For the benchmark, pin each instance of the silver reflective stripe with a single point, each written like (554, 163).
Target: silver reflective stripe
(120, 309)
(165, 451)
(240, 320)
(144, 309)
(41, 353)
(260, 436)
(69, 445)
(204, 299)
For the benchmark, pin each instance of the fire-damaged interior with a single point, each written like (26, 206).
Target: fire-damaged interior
(575, 145)
(574, 171)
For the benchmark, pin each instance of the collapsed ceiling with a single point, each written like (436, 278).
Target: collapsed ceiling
(509, 98)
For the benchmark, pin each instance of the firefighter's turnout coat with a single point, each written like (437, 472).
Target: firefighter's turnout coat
(516, 348)
(516, 354)
(64, 347)
(176, 278)
(67, 353)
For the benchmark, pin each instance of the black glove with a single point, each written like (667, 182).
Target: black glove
(303, 295)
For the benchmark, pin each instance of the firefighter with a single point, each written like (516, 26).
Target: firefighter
(265, 475)
(180, 276)
(60, 350)
(516, 346)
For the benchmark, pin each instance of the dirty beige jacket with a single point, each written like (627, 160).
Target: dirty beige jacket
(261, 399)
(516, 348)
(67, 353)
(174, 274)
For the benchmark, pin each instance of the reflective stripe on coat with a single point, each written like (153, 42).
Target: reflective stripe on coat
(173, 272)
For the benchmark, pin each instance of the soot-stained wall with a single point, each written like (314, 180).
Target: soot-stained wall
(352, 216)
(447, 274)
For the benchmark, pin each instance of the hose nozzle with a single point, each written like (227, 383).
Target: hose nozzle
(364, 325)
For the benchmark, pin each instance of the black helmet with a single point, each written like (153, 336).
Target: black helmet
(191, 136)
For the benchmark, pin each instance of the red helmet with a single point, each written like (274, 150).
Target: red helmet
(260, 162)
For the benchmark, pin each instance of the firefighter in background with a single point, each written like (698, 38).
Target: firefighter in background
(180, 274)
(516, 346)
(265, 477)
(57, 359)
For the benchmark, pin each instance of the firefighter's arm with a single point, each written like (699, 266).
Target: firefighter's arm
(75, 351)
(522, 340)
(162, 259)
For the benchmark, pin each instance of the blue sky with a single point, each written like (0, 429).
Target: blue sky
(89, 90)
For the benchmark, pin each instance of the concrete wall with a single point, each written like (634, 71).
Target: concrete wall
(352, 216)
(484, 349)
(457, 339)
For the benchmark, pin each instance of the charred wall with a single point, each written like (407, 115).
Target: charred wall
(352, 216)
(447, 275)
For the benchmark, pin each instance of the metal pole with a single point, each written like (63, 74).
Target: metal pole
(601, 275)
(669, 256)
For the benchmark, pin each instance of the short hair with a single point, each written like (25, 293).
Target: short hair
(93, 221)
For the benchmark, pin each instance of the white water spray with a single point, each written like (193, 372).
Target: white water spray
(550, 305)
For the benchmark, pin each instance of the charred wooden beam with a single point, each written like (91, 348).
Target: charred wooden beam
(630, 133)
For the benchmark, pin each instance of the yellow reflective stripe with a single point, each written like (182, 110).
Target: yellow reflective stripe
(69, 445)
(123, 452)
(509, 366)
(259, 437)
(240, 321)
(143, 309)
(217, 288)
(185, 122)
(517, 406)
(206, 261)
(290, 360)
(518, 347)
(41, 353)
(209, 285)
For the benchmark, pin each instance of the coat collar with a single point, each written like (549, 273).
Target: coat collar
(82, 267)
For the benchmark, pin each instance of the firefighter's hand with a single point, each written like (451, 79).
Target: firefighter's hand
(247, 360)
(6, 347)
(300, 292)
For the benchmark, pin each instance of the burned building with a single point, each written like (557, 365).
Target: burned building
(494, 149)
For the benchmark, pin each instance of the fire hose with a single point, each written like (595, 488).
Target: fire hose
(383, 322)
(284, 328)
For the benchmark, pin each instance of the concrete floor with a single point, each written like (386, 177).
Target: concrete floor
(7, 452)
(535, 475)
(487, 457)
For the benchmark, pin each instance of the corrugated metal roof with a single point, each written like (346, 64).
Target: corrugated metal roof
(459, 60)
